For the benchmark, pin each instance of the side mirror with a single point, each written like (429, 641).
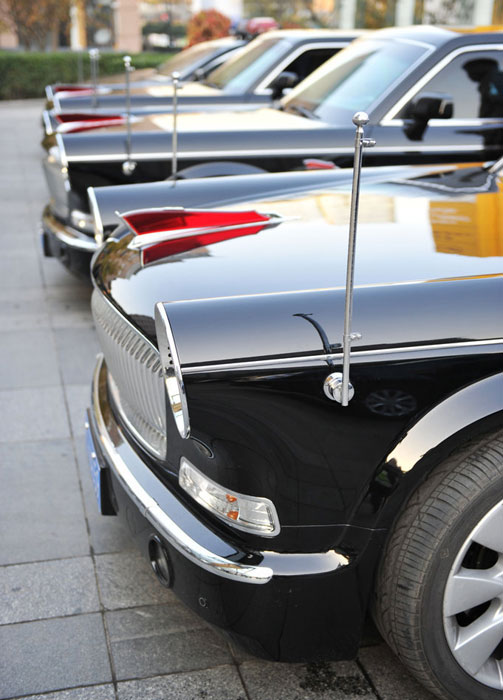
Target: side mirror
(427, 106)
(286, 79)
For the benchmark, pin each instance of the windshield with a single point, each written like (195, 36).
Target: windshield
(354, 79)
(189, 57)
(241, 72)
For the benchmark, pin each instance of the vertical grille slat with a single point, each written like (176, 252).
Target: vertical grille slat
(135, 375)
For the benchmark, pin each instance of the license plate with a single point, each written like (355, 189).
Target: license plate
(94, 466)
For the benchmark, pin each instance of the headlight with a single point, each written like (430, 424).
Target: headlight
(173, 378)
(248, 513)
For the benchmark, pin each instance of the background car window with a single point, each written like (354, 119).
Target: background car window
(309, 60)
(353, 79)
(474, 80)
(239, 73)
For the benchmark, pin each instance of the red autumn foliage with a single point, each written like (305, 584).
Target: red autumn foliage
(206, 25)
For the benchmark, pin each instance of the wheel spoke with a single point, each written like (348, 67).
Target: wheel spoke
(471, 587)
(476, 642)
(490, 531)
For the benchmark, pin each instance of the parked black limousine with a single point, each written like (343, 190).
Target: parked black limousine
(418, 83)
(253, 77)
(278, 499)
(193, 63)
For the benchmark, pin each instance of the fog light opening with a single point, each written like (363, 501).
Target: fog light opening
(160, 562)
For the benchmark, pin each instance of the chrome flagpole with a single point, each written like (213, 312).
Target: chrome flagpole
(174, 144)
(94, 57)
(129, 165)
(337, 386)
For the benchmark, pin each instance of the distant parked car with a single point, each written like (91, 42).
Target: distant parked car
(217, 434)
(192, 63)
(423, 104)
(253, 77)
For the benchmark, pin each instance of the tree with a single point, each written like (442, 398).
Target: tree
(208, 24)
(33, 21)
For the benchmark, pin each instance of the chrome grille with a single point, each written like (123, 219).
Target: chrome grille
(135, 379)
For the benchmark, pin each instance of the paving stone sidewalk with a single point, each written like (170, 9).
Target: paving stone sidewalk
(81, 615)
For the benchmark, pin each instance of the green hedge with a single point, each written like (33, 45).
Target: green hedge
(26, 74)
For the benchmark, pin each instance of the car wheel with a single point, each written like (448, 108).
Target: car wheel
(439, 590)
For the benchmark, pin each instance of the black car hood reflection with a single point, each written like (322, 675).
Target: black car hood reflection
(405, 235)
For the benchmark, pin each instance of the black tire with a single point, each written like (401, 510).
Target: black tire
(431, 535)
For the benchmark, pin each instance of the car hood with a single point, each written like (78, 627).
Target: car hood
(141, 95)
(409, 233)
(199, 132)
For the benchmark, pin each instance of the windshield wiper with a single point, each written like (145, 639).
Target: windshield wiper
(302, 111)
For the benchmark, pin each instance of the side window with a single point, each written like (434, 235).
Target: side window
(306, 62)
(474, 81)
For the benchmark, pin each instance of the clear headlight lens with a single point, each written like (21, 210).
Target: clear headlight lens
(249, 513)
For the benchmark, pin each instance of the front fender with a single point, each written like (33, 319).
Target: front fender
(474, 410)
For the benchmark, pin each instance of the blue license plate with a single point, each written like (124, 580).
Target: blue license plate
(94, 466)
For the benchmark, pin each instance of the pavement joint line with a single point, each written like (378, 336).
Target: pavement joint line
(367, 677)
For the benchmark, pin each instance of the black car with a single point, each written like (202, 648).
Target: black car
(253, 77)
(215, 430)
(193, 63)
(424, 107)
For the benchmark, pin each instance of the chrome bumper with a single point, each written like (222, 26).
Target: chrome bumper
(148, 507)
(110, 441)
(68, 235)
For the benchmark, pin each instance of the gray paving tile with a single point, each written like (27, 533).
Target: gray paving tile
(222, 683)
(96, 692)
(27, 358)
(77, 349)
(390, 678)
(321, 681)
(47, 655)
(18, 313)
(70, 307)
(41, 514)
(63, 587)
(126, 580)
(158, 654)
(152, 621)
(33, 414)
(18, 271)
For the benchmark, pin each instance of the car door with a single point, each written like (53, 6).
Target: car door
(472, 80)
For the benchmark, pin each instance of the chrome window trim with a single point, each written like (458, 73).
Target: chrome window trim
(357, 356)
(262, 88)
(390, 115)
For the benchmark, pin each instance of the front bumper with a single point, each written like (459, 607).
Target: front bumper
(287, 607)
(72, 247)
